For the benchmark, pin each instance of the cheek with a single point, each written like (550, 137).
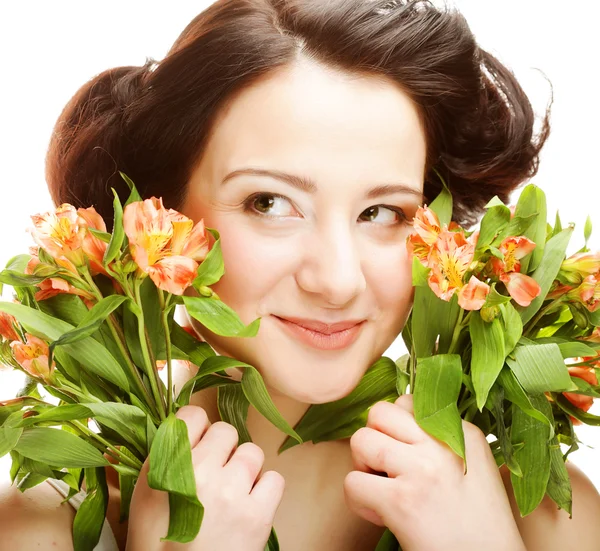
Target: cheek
(392, 285)
(254, 264)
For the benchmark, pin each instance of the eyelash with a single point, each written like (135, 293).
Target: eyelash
(247, 205)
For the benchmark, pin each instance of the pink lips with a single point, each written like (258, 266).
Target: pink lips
(322, 335)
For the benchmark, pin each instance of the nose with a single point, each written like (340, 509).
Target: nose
(331, 268)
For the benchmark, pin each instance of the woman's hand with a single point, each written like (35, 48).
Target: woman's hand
(426, 500)
(239, 505)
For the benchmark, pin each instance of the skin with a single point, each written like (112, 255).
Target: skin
(323, 257)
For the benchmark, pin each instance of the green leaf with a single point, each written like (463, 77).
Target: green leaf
(442, 204)
(89, 519)
(545, 274)
(211, 269)
(557, 225)
(494, 298)
(134, 196)
(91, 322)
(432, 316)
(569, 349)
(513, 326)
(559, 483)
(497, 403)
(171, 470)
(17, 279)
(58, 447)
(102, 235)
(419, 273)
(587, 230)
(57, 414)
(89, 352)
(488, 355)
(255, 390)
(533, 201)
(515, 394)
(569, 408)
(116, 241)
(219, 318)
(9, 436)
(202, 382)
(272, 542)
(377, 384)
(493, 224)
(540, 368)
(437, 386)
(126, 487)
(233, 409)
(388, 542)
(533, 457)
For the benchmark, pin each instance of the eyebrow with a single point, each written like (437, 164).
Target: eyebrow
(309, 186)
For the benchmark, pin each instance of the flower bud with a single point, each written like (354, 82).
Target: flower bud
(205, 291)
(490, 313)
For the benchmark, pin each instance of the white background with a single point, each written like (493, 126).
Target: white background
(49, 49)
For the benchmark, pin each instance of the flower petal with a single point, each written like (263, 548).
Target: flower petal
(173, 274)
(473, 295)
(522, 288)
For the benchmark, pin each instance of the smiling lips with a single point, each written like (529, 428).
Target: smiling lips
(321, 335)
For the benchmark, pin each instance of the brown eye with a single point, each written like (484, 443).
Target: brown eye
(369, 214)
(263, 203)
(382, 215)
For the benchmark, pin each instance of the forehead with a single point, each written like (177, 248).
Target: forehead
(318, 122)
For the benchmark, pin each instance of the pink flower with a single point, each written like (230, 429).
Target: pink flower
(165, 244)
(588, 293)
(575, 268)
(580, 401)
(93, 247)
(32, 356)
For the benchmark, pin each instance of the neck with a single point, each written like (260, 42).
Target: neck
(266, 435)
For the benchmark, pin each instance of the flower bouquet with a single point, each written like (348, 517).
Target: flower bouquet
(503, 333)
(93, 323)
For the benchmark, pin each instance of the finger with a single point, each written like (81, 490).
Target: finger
(406, 402)
(244, 466)
(196, 421)
(396, 422)
(379, 452)
(216, 446)
(268, 492)
(369, 492)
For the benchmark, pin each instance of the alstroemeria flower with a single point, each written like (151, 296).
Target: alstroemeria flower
(473, 295)
(450, 259)
(588, 293)
(7, 327)
(165, 244)
(427, 225)
(61, 233)
(32, 356)
(577, 267)
(93, 247)
(522, 288)
(580, 401)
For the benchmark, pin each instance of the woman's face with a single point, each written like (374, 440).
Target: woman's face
(324, 242)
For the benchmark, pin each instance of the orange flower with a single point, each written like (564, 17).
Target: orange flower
(32, 356)
(450, 259)
(60, 233)
(575, 268)
(522, 288)
(588, 293)
(165, 244)
(584, 403)
(473, 295)
(427, 225)
(7, 327)
(93, 247)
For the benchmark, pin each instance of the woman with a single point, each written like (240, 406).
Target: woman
(307, 133)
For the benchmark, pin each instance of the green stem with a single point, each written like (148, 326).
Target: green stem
(151, 369)
(457, 329)
(122, 458)
(165, 323)
(119, 339)
(531, 325)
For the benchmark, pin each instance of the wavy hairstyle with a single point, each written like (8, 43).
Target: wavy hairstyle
(153, 122)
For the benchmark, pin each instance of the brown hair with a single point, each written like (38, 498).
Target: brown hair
(153, 122)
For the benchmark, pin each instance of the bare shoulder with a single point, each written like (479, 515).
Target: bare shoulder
(34, 519)
(549, 527)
